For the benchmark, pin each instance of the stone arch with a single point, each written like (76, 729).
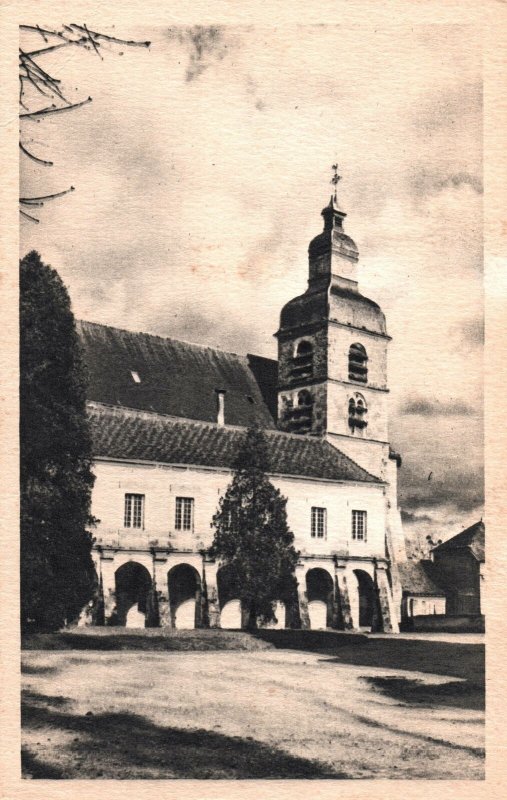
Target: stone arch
(365, 605)
(133, 588)
(320, 594)
(185, 596)
(230, 605)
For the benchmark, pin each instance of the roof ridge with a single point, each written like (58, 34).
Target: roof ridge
(172, 339)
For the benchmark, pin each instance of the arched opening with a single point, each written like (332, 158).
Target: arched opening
(320, 594)
(184, 586)
(364, 603)
(230, 605)
(133, 591)
(358, 361)
(357, 410)
(302, 361)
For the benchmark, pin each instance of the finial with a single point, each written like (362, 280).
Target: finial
(335, 179)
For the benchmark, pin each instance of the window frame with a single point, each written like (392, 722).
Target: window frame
(131, 514)
(318, 523)
(184, 514)
(359, 531)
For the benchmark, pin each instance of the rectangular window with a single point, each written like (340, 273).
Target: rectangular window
(359, 525)
(318, 523)
(134, 511)
(184, 513)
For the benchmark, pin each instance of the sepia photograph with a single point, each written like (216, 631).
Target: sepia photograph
(251, 400)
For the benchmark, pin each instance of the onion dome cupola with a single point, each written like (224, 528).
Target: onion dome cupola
(333, 291)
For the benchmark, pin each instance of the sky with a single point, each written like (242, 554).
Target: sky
(200, 169)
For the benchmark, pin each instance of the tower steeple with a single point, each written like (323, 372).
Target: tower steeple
(332, 351)
(332, 254)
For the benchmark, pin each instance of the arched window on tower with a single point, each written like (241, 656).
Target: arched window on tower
(298, 416)
(357, 413)
(302, 361)
(358, 363)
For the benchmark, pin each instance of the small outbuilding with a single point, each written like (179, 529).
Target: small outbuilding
(421, 595)
(459, 568)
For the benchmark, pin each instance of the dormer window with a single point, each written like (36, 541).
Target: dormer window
(358, 361)
(135, 376)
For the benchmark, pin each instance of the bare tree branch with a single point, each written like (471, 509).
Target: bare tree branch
(34, 158)
(32, 74)
(28, 216)
(32, 201)
(54, 109)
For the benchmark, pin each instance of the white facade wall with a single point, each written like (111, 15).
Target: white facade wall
(161, 485)
(419, 606)
(340, 338)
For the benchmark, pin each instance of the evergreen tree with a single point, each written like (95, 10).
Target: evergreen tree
(252, 537)
(57, 572)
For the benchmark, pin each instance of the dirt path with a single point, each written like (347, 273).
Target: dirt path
(243, 715)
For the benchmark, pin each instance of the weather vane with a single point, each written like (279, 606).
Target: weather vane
(335, 178)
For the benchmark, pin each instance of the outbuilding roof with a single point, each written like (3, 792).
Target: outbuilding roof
(472, 538)
(154, 373)
(121, 433)
(418, 578)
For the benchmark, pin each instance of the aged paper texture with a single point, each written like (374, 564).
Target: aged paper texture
(174, 175)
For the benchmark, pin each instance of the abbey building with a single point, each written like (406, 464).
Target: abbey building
(168, 418)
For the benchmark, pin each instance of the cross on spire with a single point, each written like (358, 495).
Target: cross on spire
(335, 179)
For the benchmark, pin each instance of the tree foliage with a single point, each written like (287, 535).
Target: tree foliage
(252, 537)
(57, 572)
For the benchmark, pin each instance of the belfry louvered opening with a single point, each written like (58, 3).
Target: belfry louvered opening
(302, 362)
(298, 417)
(358, 363)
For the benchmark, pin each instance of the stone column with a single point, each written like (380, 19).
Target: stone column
(210, 587)
(302, 596)
(388, 616)
(107, 572)
(160, 582)
(342, 594)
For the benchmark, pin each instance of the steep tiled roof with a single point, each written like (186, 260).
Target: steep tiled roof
(472, 538)
(126, 434)
(177, 378)
(418, 577)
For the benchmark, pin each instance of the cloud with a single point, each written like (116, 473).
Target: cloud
(408, 516)
(206, 46)
(424, 182)
(449, 108)
(425, 407)
(462, 489)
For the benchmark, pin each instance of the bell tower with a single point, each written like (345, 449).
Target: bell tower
(332, 352)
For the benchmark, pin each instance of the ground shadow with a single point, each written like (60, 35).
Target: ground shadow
(123, 745)
(37, 669)
(149, 639)
(440, 658)
(457, 694)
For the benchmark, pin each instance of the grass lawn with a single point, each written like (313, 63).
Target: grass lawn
(368, 708)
